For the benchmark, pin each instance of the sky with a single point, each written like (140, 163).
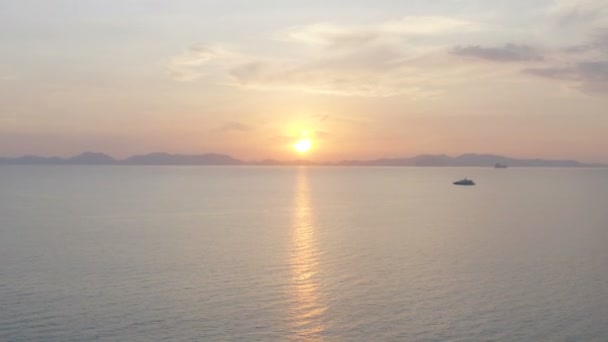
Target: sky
(360, 79)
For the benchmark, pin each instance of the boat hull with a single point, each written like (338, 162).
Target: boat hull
(465, 183)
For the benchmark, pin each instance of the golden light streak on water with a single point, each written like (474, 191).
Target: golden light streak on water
(308, 308)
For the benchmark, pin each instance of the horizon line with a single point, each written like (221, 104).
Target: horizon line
(215, 158)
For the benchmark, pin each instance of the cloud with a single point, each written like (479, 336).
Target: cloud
(506, 53)
(597, 43)
(428, 25)
(375, 71)
(321, 117)
(378, 60)
(553, 72)
(585, 65)
(289, 138)
(199, 61)
(590, 76)
(582, 65)
(580, 12)
(373, 61)
(321, 135)
(328, 35)
(319, 78)
(234, 126)
(324, 34)
(372, 69)
(600, 40)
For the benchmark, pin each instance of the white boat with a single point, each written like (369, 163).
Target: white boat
(464, 182)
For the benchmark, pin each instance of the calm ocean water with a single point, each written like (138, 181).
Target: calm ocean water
(302, 254)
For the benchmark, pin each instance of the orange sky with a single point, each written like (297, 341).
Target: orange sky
(389, 80)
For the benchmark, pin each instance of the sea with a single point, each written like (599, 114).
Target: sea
(178, 253)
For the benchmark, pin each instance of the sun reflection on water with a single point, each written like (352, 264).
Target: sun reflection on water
(308, 308)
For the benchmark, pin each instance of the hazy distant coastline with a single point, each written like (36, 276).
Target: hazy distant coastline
(159, 158)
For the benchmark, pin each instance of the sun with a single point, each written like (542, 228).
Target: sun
(303, 145)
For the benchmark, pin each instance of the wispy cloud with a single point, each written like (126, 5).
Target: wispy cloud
(339, 36)
(585, 66)
(200, 61)
(322, 135)
(365, 71)
(234, 126)
(598, 42)
(581, 63)
(289, 138)
(506, 53)
(580, 12)
(318, 78)
(321, 117)
(590, 76)
(373, 61)
(387, 59)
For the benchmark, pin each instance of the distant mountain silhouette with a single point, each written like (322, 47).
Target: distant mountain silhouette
(91, 158)
(420, 160)
(87, 158)
(471, 160)
(160, 158)
(479, 160)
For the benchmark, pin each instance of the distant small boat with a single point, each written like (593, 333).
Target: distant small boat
(464, 182)
(500, 166)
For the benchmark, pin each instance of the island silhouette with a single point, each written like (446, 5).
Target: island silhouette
(162, 158)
